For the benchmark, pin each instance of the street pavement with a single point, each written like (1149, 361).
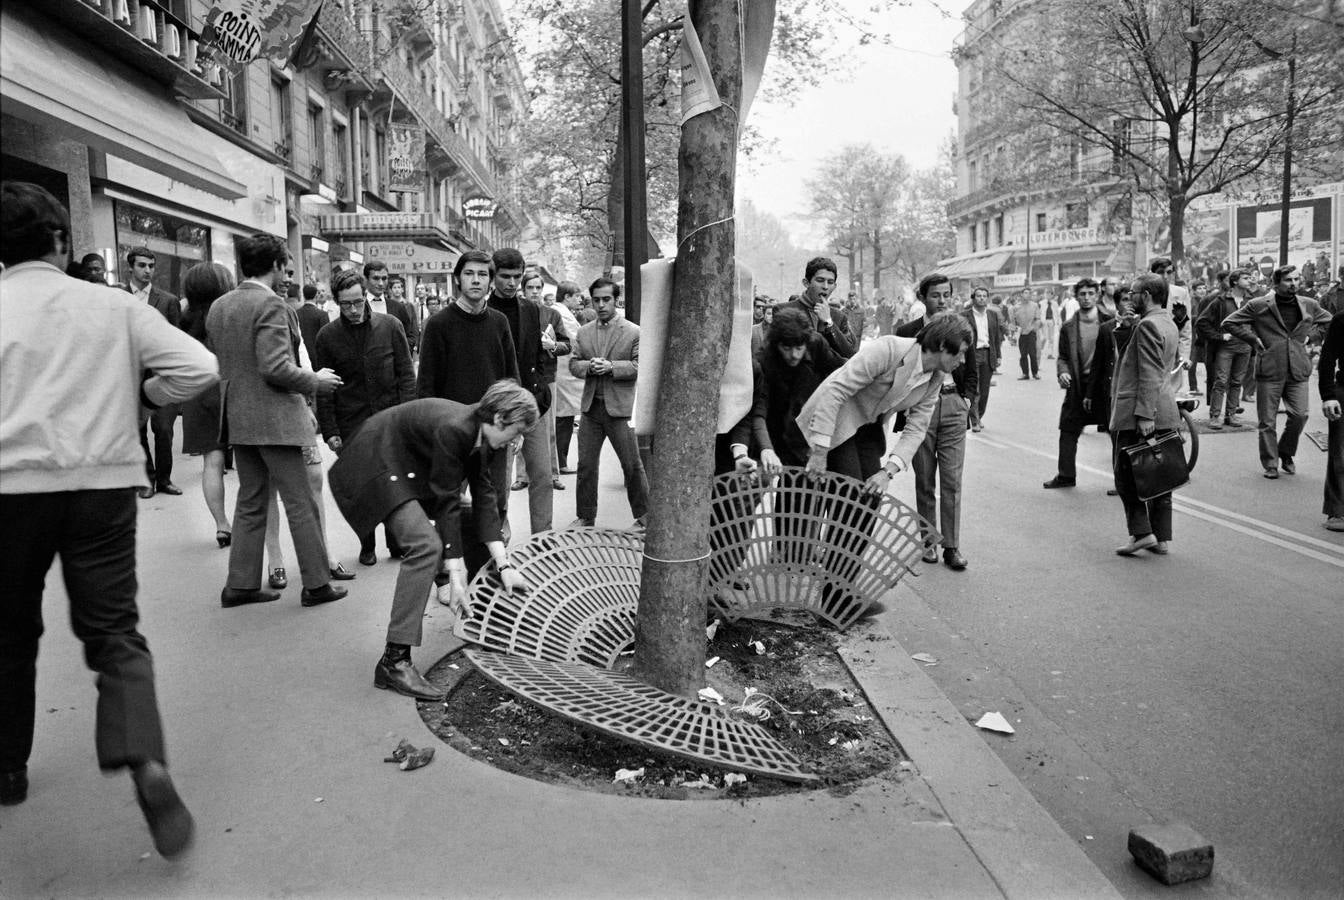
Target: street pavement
(1202, 687)
(276, 739)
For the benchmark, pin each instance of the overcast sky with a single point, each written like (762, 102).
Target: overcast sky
(898, 99)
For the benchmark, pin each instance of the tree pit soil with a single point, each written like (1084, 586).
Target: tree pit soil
(817, 711)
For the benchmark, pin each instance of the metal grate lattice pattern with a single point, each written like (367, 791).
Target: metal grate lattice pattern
(623, 708)
(584, 588)
(803, 544)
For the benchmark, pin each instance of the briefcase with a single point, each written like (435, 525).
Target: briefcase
(1158, 464)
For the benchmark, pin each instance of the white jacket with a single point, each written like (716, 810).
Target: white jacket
(72, 355)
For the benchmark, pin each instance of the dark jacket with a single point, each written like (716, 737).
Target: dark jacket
(424, 450)
(1284, 357)
(1209, 325)
(995, 319)
(838, 334)
(750, 431)
(966, 377)
(527, 345)
(408, 317)
(562, 346)
(1096, 384)
(786, 389)
(312, 319)
(164, 302)
(373, 359)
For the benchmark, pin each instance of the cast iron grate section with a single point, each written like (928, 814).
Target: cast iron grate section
(798, 543)
(623, 708)
(584, 588)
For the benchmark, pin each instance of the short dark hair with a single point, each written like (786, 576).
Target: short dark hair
(508, 258)
(948, 332)
(977, 289)
(1158, 264)
(345, 279)
(142, 252)
(374, 265)
(90, 257)
(1281, 272)
(790, 327)
(206, 282)
(534, 274)
(310, 292)
(817, 264)
(930, 281)
(258, 253)
(478, 256)
(1197, 282)
(1085, 283)
(605, 282)
(396, 279)
(1154, 286)
(30, 217)
(565, 288)
(1236, 275)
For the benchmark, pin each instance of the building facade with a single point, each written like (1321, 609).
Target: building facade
(115, 107)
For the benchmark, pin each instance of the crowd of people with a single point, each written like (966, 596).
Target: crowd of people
(435, 416)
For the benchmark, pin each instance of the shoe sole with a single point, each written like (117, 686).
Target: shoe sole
(308, 601)
(249, 601)
(169, 821)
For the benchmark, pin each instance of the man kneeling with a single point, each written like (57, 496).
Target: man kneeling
(407, 465)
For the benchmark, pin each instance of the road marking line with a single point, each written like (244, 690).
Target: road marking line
(1210, 513)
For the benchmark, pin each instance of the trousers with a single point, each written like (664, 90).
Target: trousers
(1141, 517)
(595, 428)
(984, 371)
(1229, 373)
(259, 467)
(1296, 397)
(158, 466)
(940, 458)
(421, 551)
(1028, 355)
(1334, 465)
(93, 532)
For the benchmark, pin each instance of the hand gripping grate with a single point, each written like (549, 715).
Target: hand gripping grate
(584, 588)
(800, 543)
(623, 708)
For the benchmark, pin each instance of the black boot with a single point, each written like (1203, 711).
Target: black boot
(395, 672)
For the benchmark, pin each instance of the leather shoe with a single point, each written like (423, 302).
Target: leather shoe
(13, 787)
(368, 559)
(341, 573)
(557, 484)
(1287, 465)
(953, 559)
(566, 470)
(278, 579)
(1334, 523)
(167, 487)
(403, 678)
(168, 818)
(231, 597)
(146, 492)
(519, 485)
(581, 523)
(1058, 482)
(1147, 542)
(930, 554)
(1112, 492)
(1271, 473)
(325, 594)
(1160, 548)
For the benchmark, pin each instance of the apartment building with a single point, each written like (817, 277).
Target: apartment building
(115, 107)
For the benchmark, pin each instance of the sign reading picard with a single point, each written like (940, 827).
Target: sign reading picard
(479, 208)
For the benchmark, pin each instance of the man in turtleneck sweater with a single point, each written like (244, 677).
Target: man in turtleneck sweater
(466, 346)
(1278, 328)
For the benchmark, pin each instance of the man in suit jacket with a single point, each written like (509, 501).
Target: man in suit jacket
(140, 263)
(268, 423)
(988, 324)
(1278, 327)
(312, 319)
(555, 343)
(606, 356)
(408, 465)
(386, 293)
(942, 453)
(1084, 367)
(524, 319)
(1143, 402)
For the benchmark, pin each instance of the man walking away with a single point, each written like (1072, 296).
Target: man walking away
(69, 464)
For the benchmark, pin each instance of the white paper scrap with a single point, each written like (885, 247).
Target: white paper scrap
(711, 629)
(628, 775)
(994, 721)
(711, 695)
(733, 778)
(927, 658)
(709, 663)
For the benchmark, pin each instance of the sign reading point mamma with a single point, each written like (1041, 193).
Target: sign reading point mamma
(479, 208)
(240, 31)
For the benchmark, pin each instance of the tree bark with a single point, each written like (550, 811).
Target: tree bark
(670, 625)
(877, 260)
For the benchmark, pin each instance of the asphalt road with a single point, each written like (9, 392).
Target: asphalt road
(1203, 687)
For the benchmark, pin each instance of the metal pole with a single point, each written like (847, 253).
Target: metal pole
(632, 121)
(1028, 281)
(1284, 205)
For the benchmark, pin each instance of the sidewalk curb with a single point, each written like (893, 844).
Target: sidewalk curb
(1020, 845)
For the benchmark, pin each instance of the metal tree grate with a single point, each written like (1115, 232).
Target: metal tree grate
(584, 588)
(623, 708)
(800, 543)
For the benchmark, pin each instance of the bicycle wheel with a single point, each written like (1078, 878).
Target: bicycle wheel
(1191, 437)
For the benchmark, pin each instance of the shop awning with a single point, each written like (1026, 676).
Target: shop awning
(1071, 255)
(385, 226)
(92, 98)
(974, 266)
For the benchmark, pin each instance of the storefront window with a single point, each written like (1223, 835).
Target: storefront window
(177, 244)
(1075, 270)
(1042, 272)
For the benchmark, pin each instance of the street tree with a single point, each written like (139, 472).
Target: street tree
(857, 193)
(1183, 100)
(920, 233)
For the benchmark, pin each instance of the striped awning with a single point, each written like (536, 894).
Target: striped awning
(384, 226)
(973, 266)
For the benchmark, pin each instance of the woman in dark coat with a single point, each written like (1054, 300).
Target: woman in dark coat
(204, 283)
(407, 465)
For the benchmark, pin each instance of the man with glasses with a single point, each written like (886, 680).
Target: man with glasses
(369, 352)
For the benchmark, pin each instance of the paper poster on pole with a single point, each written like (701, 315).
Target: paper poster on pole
(655, 303)
(698, 93)
(758, 28)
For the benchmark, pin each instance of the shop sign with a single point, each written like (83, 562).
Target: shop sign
(1018, 279)
(410, 258)
(406, 158)
(479, 209)
(1065, 237)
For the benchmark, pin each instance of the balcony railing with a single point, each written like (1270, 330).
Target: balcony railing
(235, 122)
(284, 150)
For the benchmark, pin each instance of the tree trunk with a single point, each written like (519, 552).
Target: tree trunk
(877, 260)
(616, 203)
(1176, 211)
(670, 626)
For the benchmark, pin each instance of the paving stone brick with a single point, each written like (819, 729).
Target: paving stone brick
(1171, 853)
